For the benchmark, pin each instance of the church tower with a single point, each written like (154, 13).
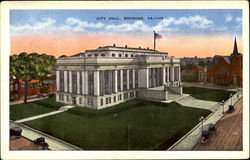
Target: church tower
(235, 50)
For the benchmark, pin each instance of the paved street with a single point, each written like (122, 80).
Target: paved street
(228, 135)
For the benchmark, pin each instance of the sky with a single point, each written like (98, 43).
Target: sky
(186, 33)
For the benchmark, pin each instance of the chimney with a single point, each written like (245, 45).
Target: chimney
(113, 45)
(139, 47)
(147, 48)
(126, 46)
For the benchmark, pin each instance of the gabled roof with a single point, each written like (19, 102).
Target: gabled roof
(227, 59)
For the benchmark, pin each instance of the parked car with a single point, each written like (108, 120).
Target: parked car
(16, 131)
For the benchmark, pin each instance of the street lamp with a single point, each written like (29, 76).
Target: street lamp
(201, 120)
(222, 104)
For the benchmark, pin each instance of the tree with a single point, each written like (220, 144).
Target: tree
(31, 66)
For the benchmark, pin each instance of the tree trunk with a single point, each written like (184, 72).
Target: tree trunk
(26, 88)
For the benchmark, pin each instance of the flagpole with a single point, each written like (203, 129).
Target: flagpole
(154, 40)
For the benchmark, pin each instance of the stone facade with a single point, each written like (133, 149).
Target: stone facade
(110, 75)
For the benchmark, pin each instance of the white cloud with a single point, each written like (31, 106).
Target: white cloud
(195, 22)
(71, 24)
(228, 17)
(238, 19)
(38, 26)
(125, 27)
(82, 24)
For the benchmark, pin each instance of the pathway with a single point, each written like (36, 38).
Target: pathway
(62, 109)
(189, 101)
(54, 143)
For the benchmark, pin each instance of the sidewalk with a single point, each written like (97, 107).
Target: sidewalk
(54, 143)
(28, 100)
(191, 139)
(62, 109)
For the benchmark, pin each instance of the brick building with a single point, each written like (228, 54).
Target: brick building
(226, 70)
(17, 88)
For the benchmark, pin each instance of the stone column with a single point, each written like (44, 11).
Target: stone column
(96, 83)
(163, 75)
(57, 80)
(121, 74)
(128, 79)
(143, 78)
(65, 81)
(78, 81)
(70, 81)
(115, 72)
(83, 82)
(133, 73)
(179, 73)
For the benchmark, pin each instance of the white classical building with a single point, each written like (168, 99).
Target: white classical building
(110, 75)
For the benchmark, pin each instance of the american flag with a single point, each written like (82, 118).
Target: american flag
(157, 36)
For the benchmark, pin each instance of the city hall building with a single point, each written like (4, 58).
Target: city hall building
(109, 75)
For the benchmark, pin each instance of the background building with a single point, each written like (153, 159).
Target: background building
(226, 70)
(17, 89)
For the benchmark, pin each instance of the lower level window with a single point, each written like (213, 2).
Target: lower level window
(88, 101)
(80, 100)
(114, 98)
(107, 100)
(91, 102)
(67, 98)
(101, 102)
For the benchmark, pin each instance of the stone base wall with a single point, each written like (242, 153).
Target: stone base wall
(152, 94)
(96, 102)
(177, 90)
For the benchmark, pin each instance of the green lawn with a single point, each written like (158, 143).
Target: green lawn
(207, 94)
(20, 111)
(133, 125)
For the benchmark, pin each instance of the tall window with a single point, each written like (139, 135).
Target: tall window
(74, 82)
(61, 81)
(80, 74)
(124, 79)
(102, 83)
(136, 78)
(106, 82)
(91, 82)
(166, 74)
(130, 78)
(119, 80)
(176, 73)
